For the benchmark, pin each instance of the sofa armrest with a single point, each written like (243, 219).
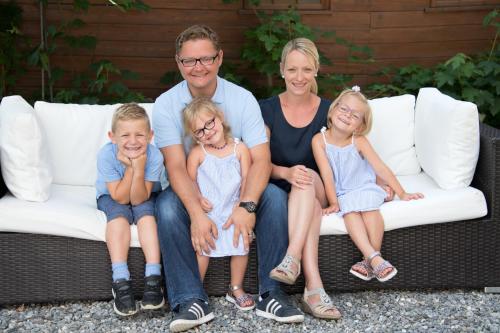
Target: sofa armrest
(487, 174)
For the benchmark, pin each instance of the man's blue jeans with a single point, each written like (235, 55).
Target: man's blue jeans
(179, 259)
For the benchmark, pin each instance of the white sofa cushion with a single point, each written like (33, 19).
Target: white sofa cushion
(71, 211)
(438, 206)
(25, 166)
(75, 133)
(392, 134)
(446, 138)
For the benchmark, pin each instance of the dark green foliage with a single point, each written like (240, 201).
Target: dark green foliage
(472, 78)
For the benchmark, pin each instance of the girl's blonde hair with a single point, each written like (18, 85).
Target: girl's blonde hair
(307, 48)
(367, 119)
(199, 106)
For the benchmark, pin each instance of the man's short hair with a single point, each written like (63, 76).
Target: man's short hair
(129, 111)
(195, 32)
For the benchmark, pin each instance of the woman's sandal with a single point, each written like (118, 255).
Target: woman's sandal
(244, 302)
(323, 309)
(362, 265)
(378, 271)
(284, 272)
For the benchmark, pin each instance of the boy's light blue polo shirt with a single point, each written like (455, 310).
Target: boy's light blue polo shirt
(240, 108)
(110, 169)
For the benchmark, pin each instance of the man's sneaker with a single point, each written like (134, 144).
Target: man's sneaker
(278, 306)
(124, 303)
(152, 298)
(191, 314)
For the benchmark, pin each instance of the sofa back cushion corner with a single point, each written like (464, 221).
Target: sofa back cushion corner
(394, 117)
(446, 138)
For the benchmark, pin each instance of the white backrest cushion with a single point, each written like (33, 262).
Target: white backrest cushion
(446, 138)
(75, 133)
(392, 134)
(25, 166)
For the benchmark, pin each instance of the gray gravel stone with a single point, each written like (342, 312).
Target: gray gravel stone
(373, 312)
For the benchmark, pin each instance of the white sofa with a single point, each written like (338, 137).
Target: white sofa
(48, 161)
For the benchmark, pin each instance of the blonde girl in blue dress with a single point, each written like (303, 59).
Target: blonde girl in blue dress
(349, 166)
(218, 165)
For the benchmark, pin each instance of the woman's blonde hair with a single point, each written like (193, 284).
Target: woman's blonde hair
(199, 106)
(307, 48)
(367, 119)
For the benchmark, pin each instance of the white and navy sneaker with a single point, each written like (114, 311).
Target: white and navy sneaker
(191, 314)
(278, 306)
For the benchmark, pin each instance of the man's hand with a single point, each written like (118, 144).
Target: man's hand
(203, 233)
(243, 222)
(299, 176)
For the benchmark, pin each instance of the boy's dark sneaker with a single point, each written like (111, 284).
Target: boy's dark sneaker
(152, 298)
(191, 314)
(278, 306)
(124, 303)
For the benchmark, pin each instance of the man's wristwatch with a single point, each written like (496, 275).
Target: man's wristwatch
(250, 206)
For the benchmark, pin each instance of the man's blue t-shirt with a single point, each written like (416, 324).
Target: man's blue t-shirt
(110, 169)
(240, 108)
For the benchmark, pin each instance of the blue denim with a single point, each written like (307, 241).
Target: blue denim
(131, 213)
(183, 279)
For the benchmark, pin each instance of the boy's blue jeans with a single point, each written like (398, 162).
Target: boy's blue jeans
(179, 259)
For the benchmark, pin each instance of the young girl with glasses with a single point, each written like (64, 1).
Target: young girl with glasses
(218, 165)
(349, 165)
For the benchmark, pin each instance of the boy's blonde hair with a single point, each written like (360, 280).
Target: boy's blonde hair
(195, 32)
(307, 48)
(129, 111)
(201, 105)
(367, 119)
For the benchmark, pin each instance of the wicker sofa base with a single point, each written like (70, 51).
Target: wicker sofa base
(41, 268)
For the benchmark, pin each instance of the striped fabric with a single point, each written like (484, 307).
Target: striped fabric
(197, 310)
(219, 180)
(354, 179)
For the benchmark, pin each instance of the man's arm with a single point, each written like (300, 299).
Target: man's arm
(183, 186)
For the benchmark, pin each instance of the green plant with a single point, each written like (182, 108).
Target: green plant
(101, 82)
(11, 56)
(473, 78)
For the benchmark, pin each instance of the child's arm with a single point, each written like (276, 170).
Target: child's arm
(193, 162)
(140, 189)
(120, 190)
(245, 161)
(382, 170)
(318, 148)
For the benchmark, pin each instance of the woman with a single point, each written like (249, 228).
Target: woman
(292, 119)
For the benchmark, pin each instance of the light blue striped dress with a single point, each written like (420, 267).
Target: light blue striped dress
(219, 180)
(354, 179)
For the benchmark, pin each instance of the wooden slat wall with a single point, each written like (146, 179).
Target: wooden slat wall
(399, 32)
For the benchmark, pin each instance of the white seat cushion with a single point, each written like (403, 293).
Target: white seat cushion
(71, 211)
(438, 206)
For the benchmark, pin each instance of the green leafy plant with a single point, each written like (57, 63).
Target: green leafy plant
(101, 82)
(472, 78)
(11, 39)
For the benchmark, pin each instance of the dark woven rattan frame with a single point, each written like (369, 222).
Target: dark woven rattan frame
(41, 268)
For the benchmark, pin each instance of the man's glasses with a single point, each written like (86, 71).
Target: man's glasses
(347, 110)
(191, 62)
(199, 133)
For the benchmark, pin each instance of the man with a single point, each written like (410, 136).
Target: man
(184, 228)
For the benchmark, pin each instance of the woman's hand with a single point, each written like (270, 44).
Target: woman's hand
(411, 196)
(299, 176)
(333, 208)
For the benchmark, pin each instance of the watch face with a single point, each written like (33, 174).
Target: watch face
(250, 206)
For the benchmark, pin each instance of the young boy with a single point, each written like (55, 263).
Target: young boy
(128, 178)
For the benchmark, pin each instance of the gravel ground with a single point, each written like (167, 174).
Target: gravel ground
(381, 311)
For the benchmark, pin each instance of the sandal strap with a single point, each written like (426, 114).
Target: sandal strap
(373, 255)
(234, 288)
(286, 265)
(381, 267)
(324, 298)
(364, 264)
